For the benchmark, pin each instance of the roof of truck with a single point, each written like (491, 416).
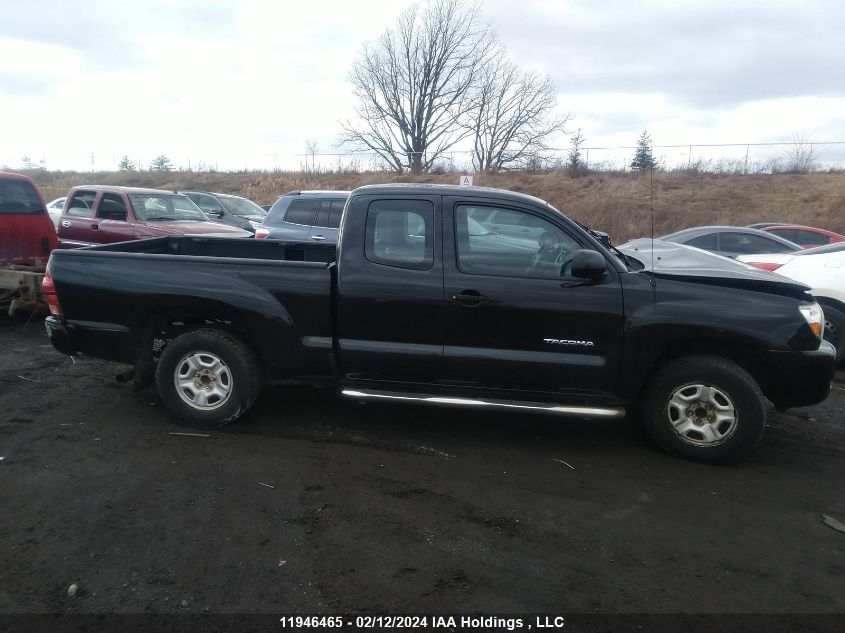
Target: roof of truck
(454, 190)
(136, 190)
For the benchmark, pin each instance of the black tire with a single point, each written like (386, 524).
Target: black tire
(239, 377)
(834, 331)
(734, 390)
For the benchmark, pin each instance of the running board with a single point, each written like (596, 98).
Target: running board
(538, 407)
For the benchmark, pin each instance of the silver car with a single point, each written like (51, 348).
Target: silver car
(304, 216)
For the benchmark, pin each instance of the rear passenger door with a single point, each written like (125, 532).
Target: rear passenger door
(390, 290)
(298, 220)
(78, 226)
(327, 223)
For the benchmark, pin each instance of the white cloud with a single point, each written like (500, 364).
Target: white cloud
(244, 84)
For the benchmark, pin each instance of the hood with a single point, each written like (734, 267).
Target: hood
(187, 227)
(688, 263)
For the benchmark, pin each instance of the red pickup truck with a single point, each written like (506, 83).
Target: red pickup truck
(26, 232)
(97, 214)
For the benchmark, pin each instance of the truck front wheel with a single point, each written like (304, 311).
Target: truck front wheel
(704, 408)
(207, 376)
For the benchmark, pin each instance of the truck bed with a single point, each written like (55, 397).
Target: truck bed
(272, 294)
(227, 247)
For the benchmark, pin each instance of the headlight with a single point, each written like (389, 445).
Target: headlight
(815, 318)
(254, 224)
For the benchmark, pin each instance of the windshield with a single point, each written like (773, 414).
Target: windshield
(19, 197)
(243, 207)
(162, 207)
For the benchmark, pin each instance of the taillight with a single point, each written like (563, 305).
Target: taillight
(49, 290)
(262, 234)
(766, 266)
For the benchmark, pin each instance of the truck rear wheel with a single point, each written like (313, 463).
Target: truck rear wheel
(704, 408)
(207, 376)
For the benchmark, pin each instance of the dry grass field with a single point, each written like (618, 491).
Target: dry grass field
(618, 203)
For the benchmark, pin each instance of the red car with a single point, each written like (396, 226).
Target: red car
(97, 214)
(806, 236)
(27, 234)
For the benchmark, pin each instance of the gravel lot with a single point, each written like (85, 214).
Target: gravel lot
(402, 509)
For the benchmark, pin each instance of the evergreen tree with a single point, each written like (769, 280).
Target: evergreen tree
(125, 164)
(161, 163)
(643, 157)
(574, 163)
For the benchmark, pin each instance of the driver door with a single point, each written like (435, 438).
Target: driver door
(515, 317)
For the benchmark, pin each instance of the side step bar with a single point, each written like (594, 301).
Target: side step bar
(606, 413)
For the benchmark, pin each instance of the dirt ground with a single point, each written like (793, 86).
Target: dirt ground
(314, 504)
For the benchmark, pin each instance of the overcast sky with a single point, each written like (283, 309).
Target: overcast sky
(244, 84)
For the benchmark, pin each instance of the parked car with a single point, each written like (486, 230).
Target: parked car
(731, 241)
(97, 214)
(228, 209)
(805, 236)
(266, 207)
(417, 309)
(823, 270)
(54, 208)
(305, 216)
(27, 234)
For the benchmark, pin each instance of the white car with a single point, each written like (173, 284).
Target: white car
(823, 269)
(54, 208)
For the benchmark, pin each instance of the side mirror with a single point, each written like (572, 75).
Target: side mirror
(588, 264)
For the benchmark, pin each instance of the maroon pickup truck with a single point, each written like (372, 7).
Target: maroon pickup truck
(104, 214)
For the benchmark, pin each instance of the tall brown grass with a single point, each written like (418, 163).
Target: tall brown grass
(620, 204)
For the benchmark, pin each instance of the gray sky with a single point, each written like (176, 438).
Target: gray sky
(244, 84)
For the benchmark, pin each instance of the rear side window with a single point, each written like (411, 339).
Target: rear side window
(302, 212)
(19, 197)
(705, 242)
(787, 234)
(810, 238)
(329, 215)
(82, 204)
(400, 233)
(112, 207)
(749, 244)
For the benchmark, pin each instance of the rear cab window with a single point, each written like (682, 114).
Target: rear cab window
(400, 233)
(19, 197)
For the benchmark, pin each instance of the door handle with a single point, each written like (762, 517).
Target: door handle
(96, 227)
(66, 224)
(470, 298)
(318, 237)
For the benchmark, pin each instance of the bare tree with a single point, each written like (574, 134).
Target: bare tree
(311, 148)
(412, 85)
(511, 116)
(802, 154)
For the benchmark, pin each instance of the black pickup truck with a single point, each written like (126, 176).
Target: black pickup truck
(454, 296)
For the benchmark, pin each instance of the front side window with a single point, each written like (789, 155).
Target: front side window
(112, 207)
(749, 244)
(511, 243)
(706, 242)
(206, 203)
(160, 208)
(82, 204)
(400, 233)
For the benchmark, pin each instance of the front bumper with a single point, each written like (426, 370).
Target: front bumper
(801, 378)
